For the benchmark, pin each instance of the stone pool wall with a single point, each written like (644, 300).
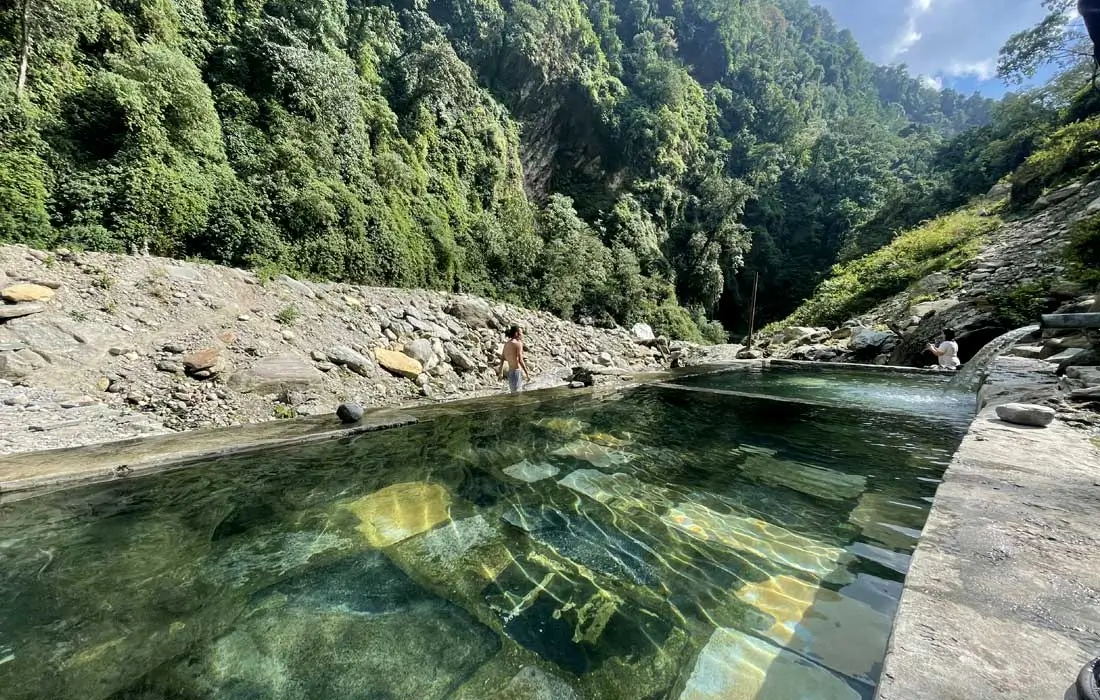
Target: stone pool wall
(1002, 599)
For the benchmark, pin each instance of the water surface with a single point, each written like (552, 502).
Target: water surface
(666, 542)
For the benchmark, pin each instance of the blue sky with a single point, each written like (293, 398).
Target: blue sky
(952, 43)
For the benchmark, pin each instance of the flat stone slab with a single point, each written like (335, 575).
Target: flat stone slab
(401, 511)
(272, 374)
(736, 666)
(530, 472)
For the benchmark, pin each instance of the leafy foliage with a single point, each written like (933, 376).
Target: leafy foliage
(614, 159)
(1083, 252)
(945, 243)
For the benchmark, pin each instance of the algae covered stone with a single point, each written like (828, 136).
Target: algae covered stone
(401, 511)
(819, 482)
(768, 541)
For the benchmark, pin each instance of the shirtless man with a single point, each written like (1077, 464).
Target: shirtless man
(513, 355)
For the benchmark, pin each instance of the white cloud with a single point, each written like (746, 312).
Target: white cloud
(910, 34)
(933, 81)
(982, 70)
(942, 39)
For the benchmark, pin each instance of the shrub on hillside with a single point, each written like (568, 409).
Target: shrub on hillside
(1072, 150)
(944, 243)
(1083, 251)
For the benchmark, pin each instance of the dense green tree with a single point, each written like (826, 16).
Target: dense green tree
(622, 160)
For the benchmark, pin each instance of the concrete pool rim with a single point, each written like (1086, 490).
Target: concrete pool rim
(24, 475)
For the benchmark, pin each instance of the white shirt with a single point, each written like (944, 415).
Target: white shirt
(949, 354)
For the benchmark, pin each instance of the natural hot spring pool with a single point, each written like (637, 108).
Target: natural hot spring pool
(661, 543)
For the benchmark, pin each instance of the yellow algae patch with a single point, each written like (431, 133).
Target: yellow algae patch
(736, 666)
(605, 439)
(838, 632)
(814, 481)
(401, 511)
(565, 426)
(763, 539)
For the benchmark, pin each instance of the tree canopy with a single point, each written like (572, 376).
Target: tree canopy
(623, 160)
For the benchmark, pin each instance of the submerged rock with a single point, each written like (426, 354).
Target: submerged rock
(530, 472)
(768, 541)
(401, 511)
(735, 666)
(355, 628)
(596, 455)
(839, 633)
(595, 546)
(814, 481)
(533, 683)
(1026, 414)
(569, 621)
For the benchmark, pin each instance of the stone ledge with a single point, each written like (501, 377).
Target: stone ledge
(1002, 599)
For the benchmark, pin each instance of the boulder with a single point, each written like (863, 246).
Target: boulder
(474, 312)
(1026, 414)
(20, 363)
(795, 334)
(26, 292)
(273, 374)
(461, 361)
(10, 311)
(532, 683)
(344, 356)
(605, 359)
(1030, 352)
(421, 350)
(398, 363)
(869, 342)
(349, 412)
(748, 354)
(1059, 195)
(206, 359)
(643, 332)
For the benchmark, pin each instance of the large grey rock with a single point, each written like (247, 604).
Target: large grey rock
(20, 363)
(474, 312)
(795, 334)
(273, 374)
(349, 412)
(300, 288)
(1026, 414)
(421, 350)
(346, 357)
(8, 311)
(868, 341)
(1059, 195)
(642, 331)
(461, 361)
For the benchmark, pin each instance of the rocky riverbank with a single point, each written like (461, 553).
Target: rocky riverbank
(97, 347)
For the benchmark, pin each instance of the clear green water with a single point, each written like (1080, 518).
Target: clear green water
(678, 543)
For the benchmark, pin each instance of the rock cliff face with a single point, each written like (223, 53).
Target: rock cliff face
(1018, 273)
(96, 347)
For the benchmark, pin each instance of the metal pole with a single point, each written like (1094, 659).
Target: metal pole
(752, 311)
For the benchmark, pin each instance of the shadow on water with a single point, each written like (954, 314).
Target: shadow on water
(654, 545)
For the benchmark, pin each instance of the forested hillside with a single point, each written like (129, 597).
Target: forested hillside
(618, 159)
